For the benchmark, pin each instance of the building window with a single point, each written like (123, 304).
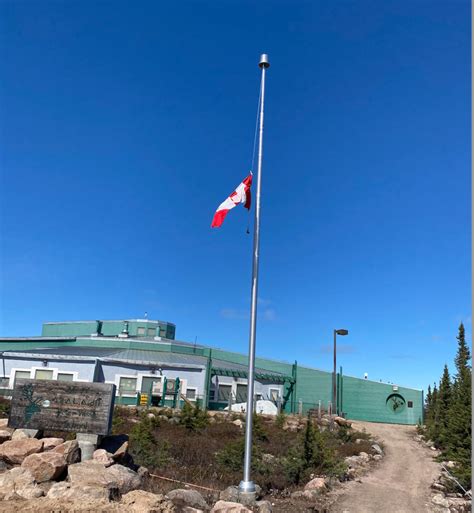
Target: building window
(191, 393)
(241, 394)
(43, 374)
(65, 376)
(223, 393)
(128, 386)
(274, 394)
(151, 332)
(19, 374)
(258, 397)
(162, 332)
(141, 331)
(4, 382)
(410, 404)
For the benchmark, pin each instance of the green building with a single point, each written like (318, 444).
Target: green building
(143, 359)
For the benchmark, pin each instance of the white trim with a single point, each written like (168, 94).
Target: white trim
(195, 393)
(75, 374)
(12, 375)
(277, 390)
(127, 376)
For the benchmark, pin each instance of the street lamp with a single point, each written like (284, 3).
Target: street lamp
(334, 396)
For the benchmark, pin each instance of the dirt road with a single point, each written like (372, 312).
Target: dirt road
(401, 483)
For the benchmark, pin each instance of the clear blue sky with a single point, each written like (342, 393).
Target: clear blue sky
(125, 124)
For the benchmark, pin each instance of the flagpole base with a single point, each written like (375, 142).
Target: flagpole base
(247, 493)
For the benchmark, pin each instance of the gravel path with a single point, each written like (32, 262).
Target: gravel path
(400, 484)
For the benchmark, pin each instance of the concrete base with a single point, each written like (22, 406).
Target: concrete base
(88, 444)
(247, 498)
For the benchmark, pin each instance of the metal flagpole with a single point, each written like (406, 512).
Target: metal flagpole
(246, 485)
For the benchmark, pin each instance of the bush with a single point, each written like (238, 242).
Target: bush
(280, 420)
(193, 419)
(144, 446)
(4, 407)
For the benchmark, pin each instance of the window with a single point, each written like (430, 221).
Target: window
(22, 375)
(141, 331)
(127, 385)
(191, 393)
(223, 393)
(150, 384)
(274, 394)
(410, 404)
(151, 332)
(162, 332)
(65, 376)
(258, 397)
(241, 394)
(4, 382)
(43, 374)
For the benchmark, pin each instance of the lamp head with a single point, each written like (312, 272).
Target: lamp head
(342, 332)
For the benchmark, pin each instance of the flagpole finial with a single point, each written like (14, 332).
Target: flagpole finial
(264, 62)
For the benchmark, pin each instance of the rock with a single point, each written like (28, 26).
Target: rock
(18, 482)
(181, 498)
(102, 456)
(377, 457)
(231, 493)
(78, 493)
(15, 451)
(143, 473)
(439, 500)
(22, 434)
(377, 449)
(51, 443)
(268, 458)
(364, 456)
(3, 423)
(45, 466)
(318, 483)
(450, 464)
(70, 450)
(264, 506)
(229, 507)
(459, 505)
(238, 423)
(151, 416)
(121, 451)
(438, 486)
(306, 494)
(342, 422)
(139, 501)
(123, 478)
(5, 435)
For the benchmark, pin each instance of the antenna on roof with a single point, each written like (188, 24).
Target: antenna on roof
(146, 315)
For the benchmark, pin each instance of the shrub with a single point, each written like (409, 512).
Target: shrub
(4, 407)
(193, 419)
(144, 446)
(280, 420)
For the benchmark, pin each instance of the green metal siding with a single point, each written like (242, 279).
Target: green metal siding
(367, 400)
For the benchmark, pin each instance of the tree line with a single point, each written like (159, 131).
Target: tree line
(448, 413)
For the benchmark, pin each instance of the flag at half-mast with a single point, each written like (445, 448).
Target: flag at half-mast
(240, 195)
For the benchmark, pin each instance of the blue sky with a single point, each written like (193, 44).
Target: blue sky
(125, 124)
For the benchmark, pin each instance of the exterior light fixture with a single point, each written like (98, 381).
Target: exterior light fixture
(342, 333)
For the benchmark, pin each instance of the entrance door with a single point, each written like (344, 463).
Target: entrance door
(147, 383)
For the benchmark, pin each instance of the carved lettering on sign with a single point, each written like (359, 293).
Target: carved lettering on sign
(62, 405)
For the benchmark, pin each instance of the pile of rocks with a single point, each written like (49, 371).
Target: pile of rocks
(446, 500)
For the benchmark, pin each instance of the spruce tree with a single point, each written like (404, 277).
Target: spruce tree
(428, 405)
(459, 422)
(443, 404)
(432, 425)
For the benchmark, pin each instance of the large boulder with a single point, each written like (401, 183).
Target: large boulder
(229, 507)
(342, 422)
(139, 501)
(18, 482)
(93, 473)
(316, 484)
(45, 466)
(65, 491)
(191, 498)
(70, 450)
(102, 456)
(5, 435)
(51, 443)
(22, 434)
(264, 506)
(15, 451)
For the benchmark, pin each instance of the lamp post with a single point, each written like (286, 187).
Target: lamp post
(342, 333)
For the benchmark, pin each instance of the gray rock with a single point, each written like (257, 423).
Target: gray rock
(139, 501)
(51, 443)
(5, 435)
(65, 490)
(22, 434)
(377, 449)
(229, 507)
(231, 493)
(192, 498)
(439, 500)
(377, 457)
(318, 484)
(264, 506)
(102, 456)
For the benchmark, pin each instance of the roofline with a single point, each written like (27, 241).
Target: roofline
(110, 320)
(56, 339)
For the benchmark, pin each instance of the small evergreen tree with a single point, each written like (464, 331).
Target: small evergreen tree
(428, 405)
(443, 404)
(459, 435)
(432, 424)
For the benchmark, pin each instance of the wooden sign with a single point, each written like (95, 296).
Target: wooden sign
(62, 406)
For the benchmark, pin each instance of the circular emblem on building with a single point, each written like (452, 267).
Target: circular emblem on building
(395, 403)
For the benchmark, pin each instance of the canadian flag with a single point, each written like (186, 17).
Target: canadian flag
(240, 195)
